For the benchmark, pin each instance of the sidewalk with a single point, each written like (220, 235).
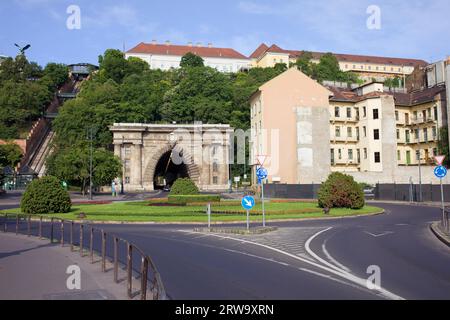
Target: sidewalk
(32, 269)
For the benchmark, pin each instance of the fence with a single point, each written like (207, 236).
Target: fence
(411, 192)
(93, 240)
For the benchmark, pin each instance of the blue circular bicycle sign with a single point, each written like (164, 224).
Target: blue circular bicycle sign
(440, 172)
(248, 202)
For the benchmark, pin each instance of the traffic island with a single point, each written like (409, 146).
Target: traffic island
(237, 230)
(437, 229)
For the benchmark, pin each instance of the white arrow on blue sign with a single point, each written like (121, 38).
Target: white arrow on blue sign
(248, 202)
(440, 172)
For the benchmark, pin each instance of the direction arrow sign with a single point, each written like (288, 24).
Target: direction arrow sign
(439, 160)
(248, 202)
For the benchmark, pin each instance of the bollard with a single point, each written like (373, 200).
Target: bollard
(17, 224)
(40, 228)
(91, 245)
(81, 239)
(51, 230)
(116, 260)
(103, 251)
(71, 236)
(129, 270)
(5, 228)
(62, 233)
(144, 274)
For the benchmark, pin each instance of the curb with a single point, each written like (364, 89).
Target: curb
(439, 234)
(212, 223)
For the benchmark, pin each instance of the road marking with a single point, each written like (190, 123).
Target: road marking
(325, 251)
(342, 273)
(380, 234)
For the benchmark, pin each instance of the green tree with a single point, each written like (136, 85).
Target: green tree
(10, 155)
(191, 60)
(113, 65)
(73, 165)
(57, 73)
(341, 191)
(304, 63)
(443, 145)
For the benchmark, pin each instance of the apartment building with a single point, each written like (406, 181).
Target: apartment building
(167, 56)
(370, 133)
(367, 67)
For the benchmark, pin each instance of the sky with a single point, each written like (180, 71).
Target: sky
(403, 28)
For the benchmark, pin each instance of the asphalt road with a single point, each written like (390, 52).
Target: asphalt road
(324, 259)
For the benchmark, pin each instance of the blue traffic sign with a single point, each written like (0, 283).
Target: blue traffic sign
(262, 173)
(440, 172)
(248, 202)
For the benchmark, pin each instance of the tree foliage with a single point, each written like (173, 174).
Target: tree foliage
(191, 60)
(341, 191)
(25, 90)
(73, 166)
(184, 186)
(45, 195)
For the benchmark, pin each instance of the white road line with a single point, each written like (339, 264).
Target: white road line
(380, 234)
(343, 274)
(334, 261)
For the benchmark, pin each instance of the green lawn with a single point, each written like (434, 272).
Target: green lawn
(142, 212)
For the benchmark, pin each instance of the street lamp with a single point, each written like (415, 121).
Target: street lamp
(23, 49)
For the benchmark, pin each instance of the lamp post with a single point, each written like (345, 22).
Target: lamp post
(91, 154)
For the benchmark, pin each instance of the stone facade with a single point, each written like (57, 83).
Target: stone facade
(203, 150)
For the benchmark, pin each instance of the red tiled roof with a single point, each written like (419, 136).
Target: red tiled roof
(346, 57)
(401, 99)
(177, 50)
(259, 51)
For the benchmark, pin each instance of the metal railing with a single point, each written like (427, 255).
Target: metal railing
(65, 232)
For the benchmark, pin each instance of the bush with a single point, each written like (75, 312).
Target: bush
(201, 198)
(45, 195)
(341, 191)
(184, 186)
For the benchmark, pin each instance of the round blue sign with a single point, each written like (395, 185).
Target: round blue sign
(440, 172)
(262, 173)
(248, 202)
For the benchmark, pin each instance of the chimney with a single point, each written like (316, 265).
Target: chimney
(167, 43)
(199, 44)
(190, 44)
(210, 45)
(154, 42)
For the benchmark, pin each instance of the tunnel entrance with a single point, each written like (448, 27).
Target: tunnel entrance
(167, 172)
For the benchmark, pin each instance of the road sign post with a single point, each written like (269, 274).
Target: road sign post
(248, 203)
(262, 174)
(441, 172)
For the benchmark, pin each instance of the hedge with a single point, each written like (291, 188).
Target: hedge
(184, 199)
(184, 186)
(45, 195)
(341, 191)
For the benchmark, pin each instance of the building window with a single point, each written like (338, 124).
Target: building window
(375, 114)
(416, 134)
(215, 180)
(398, 134)
(377, 157)
(435, 113)
(434, 132)
(425, 134)
(337, 112)
(407, 136)
(350, 154)
(415, 115)
(338, 131)
(376, 134)
(418, 155)
(349, 132)
(398, 155)
(332, 156)
(349, 113)
(340, 154)
(364, 112)
(365, 132)
(127, 151)
(397, 116)
(215, 167)
(365, 153)
(127, 180)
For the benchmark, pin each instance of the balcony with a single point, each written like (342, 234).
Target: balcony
(345, 139)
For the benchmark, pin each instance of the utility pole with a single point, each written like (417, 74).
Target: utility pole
(91, 154)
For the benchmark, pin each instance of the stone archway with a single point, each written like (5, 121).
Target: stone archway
(192, 169)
